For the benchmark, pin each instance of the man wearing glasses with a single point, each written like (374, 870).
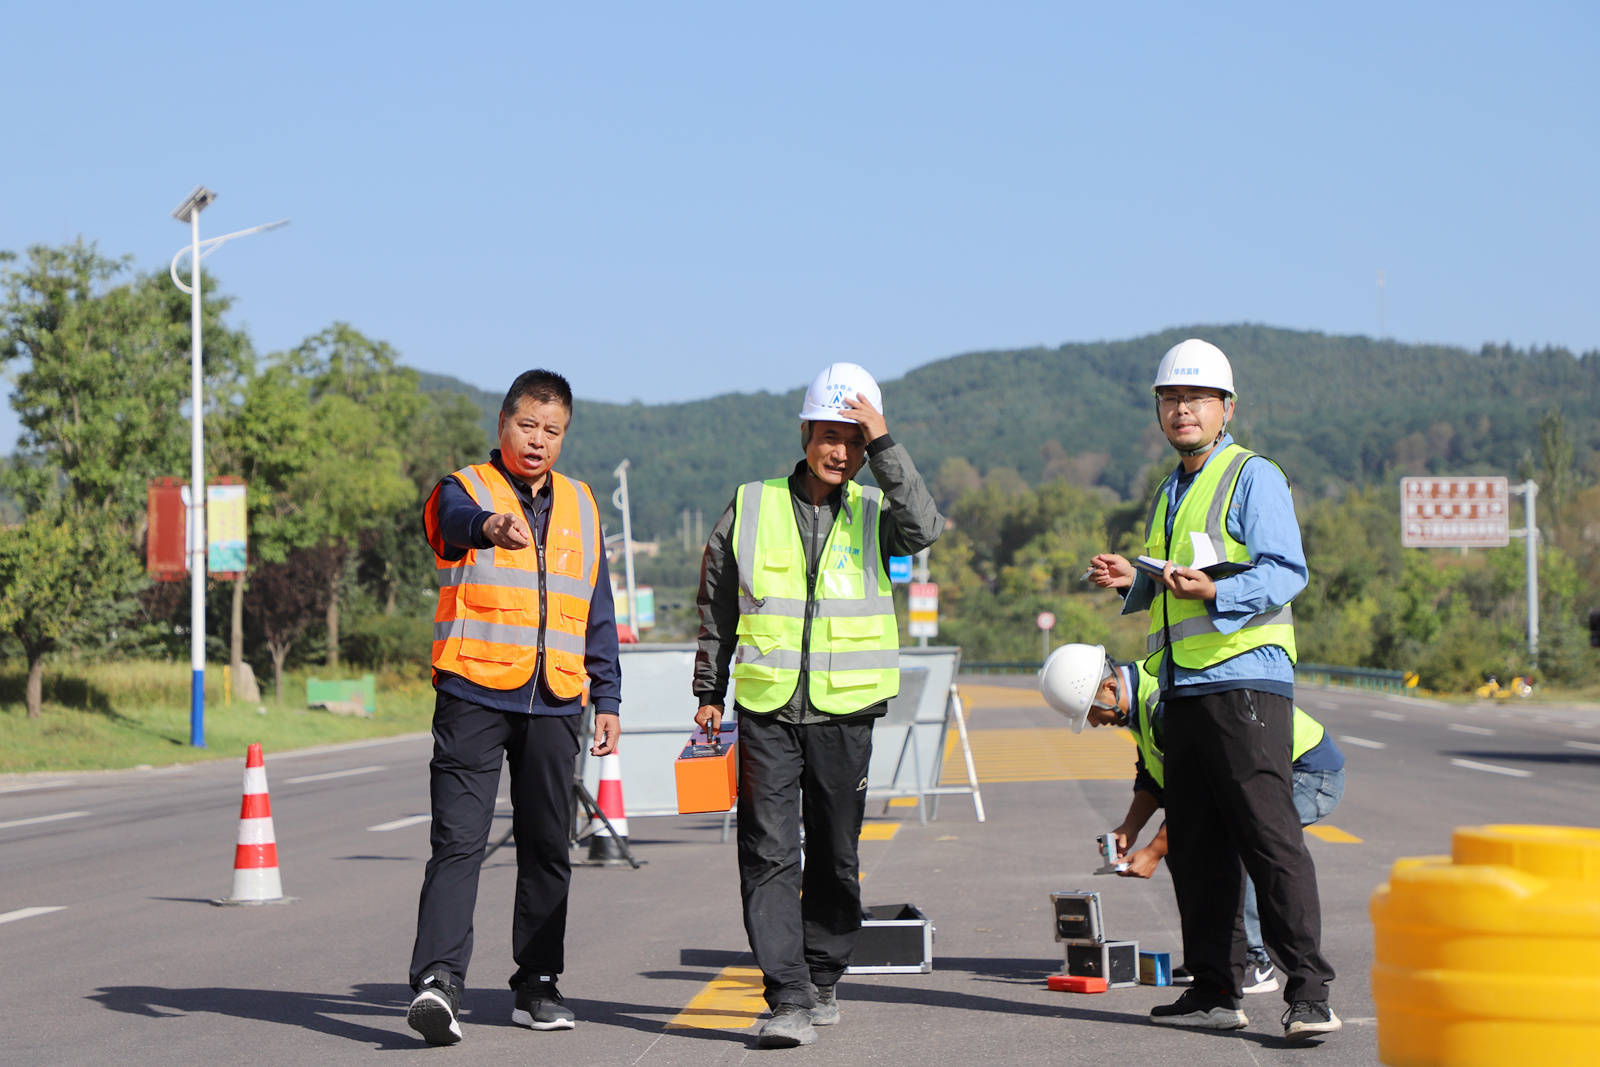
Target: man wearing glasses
(1222, 562)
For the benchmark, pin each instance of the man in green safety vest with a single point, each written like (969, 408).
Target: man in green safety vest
(1222, 562)
(1088, 687)
(795, 606)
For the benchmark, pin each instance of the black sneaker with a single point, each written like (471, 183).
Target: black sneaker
(824, 1005)
(1260, 976)
(539, 1006)
(1308, 1018)
(789, 1026)
(1181, 976)
(435, 1010)
(1200, 1011)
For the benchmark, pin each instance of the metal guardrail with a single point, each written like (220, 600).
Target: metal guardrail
(1354, 677)
(999, 666)
(1309, 673)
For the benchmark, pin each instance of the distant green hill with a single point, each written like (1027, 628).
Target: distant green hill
(1334, 411)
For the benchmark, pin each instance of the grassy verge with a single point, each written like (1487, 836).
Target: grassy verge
(126, 714)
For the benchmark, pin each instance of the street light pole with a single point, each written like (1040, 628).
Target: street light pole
(189, 211)
(620, 499)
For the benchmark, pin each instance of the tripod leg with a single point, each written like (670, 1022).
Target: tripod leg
(594, 811)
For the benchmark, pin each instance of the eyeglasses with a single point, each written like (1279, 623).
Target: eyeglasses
(1192, 401)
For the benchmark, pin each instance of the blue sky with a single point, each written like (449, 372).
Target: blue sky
(673, 201)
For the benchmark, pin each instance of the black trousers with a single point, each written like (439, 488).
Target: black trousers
(469, 742)
(1230, 801)
(802, 926)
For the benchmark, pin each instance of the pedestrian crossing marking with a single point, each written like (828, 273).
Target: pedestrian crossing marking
(733, 1000)
(1042, 754)
(1332, 834)
(879, 831)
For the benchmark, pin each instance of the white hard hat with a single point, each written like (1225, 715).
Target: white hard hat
(1195, 362)
(829, 390)
(1070, 678)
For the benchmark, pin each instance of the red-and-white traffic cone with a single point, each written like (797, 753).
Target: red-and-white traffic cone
(604, 846)
(255, 857)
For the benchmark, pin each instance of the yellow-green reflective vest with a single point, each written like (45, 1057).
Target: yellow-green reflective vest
(1142, 722)
(1185, 626)
(852, 656)
(1308, 732)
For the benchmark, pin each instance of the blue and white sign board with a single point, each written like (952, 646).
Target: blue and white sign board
(899, 568)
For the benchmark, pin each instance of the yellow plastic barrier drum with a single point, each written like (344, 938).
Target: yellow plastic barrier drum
(1491, 955)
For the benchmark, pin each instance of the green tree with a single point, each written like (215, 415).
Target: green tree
(100, 394)
(364, 405)
(53, 589)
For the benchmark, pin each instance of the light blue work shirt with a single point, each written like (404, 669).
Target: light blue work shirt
(1261, 517)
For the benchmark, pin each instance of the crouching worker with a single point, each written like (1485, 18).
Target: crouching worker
(1087, 686)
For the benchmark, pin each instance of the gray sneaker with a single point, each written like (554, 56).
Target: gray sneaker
(789, 1026)
(824, 1005)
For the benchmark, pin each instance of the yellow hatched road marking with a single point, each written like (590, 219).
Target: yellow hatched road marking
(731, 1001)
(879, 831)
(1042, 754)
(978, 697)
(1333, 834)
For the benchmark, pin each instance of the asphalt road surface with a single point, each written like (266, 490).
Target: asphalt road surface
(114, 953)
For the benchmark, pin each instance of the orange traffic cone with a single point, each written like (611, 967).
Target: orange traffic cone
(606, 846)
(255, 857)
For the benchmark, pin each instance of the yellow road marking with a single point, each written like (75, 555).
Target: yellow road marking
(1333, 834)
(731, 1001)
(978, 697)
(902, 802)
(1041, 754)
(879, 831)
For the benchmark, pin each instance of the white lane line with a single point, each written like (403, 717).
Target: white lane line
(1389, 716)
(1474, 765)
(43, 818)
(1462, 728)
(1361, 742)
(28, 913)
(330, 775)
(400, 824)
(1582, 746)
(31, 786)
(1582, 725)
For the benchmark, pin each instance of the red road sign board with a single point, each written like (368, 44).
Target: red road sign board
(1454, 512)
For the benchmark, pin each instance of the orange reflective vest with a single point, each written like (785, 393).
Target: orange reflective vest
(501, 610)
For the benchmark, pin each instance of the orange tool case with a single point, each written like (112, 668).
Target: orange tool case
(707, 771)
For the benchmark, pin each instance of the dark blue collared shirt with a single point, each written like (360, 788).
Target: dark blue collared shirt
(461, 525)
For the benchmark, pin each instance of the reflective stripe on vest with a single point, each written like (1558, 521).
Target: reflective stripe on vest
(488, 627)
(1186, 625)
(1146, 702)
(853, 654)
